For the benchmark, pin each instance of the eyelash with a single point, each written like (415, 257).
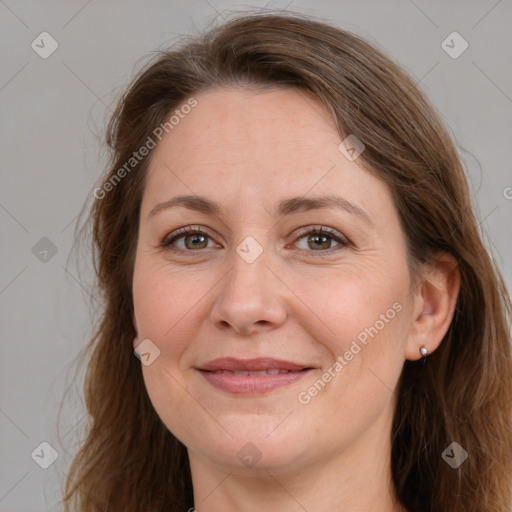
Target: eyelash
(315, 230)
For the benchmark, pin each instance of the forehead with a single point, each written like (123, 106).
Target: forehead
(258, 145)
(239, 124)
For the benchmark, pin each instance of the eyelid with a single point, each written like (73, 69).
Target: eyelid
(319, 229)
(184, 231)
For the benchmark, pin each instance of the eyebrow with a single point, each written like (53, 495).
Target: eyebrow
(286, 207)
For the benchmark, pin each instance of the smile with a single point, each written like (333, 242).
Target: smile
(252, 377)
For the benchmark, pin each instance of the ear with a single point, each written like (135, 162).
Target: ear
(434, 300)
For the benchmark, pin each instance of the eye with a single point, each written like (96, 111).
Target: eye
(194, 238)
(319, 239)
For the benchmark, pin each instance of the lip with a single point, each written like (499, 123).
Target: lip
(220, 373)
(260, 363)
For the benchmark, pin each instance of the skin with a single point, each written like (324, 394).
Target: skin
(248, 150)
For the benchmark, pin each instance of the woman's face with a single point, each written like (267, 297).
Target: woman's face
(278, 347)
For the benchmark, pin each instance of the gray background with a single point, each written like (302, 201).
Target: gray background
(53, 113)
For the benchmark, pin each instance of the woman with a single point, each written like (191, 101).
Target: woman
(285, 240)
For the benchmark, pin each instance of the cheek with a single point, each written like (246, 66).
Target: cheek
(163, 303)
(363, 316)
(163, 312)
(352, 302)
(367, 320)
(180, 411)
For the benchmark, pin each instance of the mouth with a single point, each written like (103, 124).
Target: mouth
(253, 376)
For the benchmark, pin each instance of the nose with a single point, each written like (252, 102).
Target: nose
(251, 298)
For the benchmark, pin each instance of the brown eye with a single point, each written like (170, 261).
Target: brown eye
(320, 239)
(193, 239)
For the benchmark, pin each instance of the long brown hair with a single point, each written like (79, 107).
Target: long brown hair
(129, 461)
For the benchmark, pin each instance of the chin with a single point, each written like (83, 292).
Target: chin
(253, 449)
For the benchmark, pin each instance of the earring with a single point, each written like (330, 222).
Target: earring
(424, 353)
